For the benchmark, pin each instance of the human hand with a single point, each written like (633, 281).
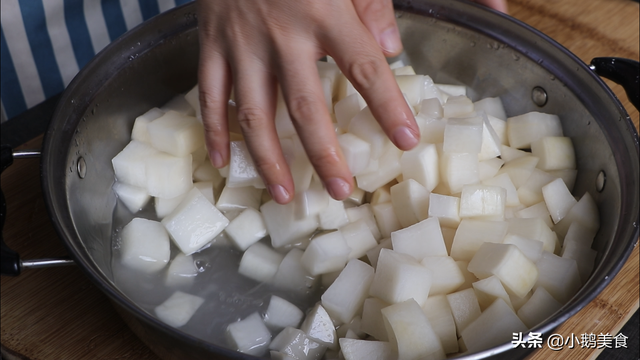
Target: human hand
(253, 45)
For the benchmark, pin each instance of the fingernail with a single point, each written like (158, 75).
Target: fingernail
(404, 138)
(278, 193)
(216, 159)
(338, 188)
(390, 40)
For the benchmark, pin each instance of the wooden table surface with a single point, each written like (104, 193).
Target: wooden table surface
(58, 313)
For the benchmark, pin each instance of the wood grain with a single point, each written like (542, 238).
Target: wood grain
(59, 314)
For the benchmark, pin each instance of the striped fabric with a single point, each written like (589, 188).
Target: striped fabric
(45, 42)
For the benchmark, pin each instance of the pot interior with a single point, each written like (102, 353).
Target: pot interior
(453, 42)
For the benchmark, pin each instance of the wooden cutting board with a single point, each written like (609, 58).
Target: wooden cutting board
(58, 313)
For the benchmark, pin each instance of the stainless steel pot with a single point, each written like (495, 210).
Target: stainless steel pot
(453, 42)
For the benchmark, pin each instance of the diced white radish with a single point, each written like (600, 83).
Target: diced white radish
(246, 229)
(193, 98)
(530, 192)
(532, 249)
(182, 271)
(129, 164)
(358, 238)
(319, 327)
(431, 108)
(139, 131)
(585, 212)
(492, 106)
(145, 245)
(483, 201)
(458, 169)
(206, 172)
(464, 307)
(410, 202)
(366, 213)
(311, 201)
(453, 90)
(445, 208)
(297, 345)
(489, 168)
(507, 263)
(457, 106)
(431, 130)
(176, 134)
(167, 175)
(239, 198)
(373, 254)
(346, 109)
(206, 188)
(284, 125)
(403, 70)
(242, 171)
(445, 274)
(421, 164)
(381, 195)
(488, 290)
(194, 223)
(356, 197)
(519, 169)
(283, 225)
(392, 267)
(413, 88)
(509, 154)
(540, 306)
(333, 216)
(473, 233)
(555, 153)
(292, 275)
(356, 152)
(178, 308)
(133, 197)
(504, 181)
(386, 219)
(372, 322)
(365, 126)
(469, 278)
(439, 314)
(463, 135)
(535, 229)
(345, 296)
(260, 263)
(491, 143)
(249, 335)
(180, 105)
(355, 349)
(559, 276)
(538, 210)
(430, 90)
(558, 199)
(299, 164)
(420, 240)
(524, 129)
(165, 207)
(326, 253)
(281, 313)
(388, 169)
(330, 71)
(410, 332)
(584, 257)
(198, 157)
(494, 326)
(500, 127)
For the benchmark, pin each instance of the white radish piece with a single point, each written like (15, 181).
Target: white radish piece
(356, 349)
(326, 253)
(281, 314)
(246, 229)
(400, 277)
(260, 263)
(345, 296)
(182, 271)
(318, 326)
(133, 197)
(249, 335)
(178, 309)
(420, 240)
(176, 134)
(145, 245)
(494, 326)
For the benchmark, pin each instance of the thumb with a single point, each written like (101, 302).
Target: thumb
(378, 17)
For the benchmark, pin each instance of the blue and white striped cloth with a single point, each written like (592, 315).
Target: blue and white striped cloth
(45, 42)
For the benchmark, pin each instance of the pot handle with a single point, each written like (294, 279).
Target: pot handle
(10, 263)
(624, 72)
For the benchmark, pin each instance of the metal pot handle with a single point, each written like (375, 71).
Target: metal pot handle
(10, 263)
(624, 72)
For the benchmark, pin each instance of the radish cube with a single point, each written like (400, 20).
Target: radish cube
(540, 306)
(494, 326)
(507, 263)
(281, 314)
(585, 212)
(584, 257)
(509, 154)
(410, 332)
(299, 164)
(388, 169)
(482, 201)
(326, 253)
(520, 169)
(469, 278)
(355, 349)
(292, 275)
(500, 127)
(167, 175)
(410, 202)
(365, 126)
(524, 129)
(538, 210)
(206, 172)
(489, 168)
(445, 208)
(182, 271)
(260, 263)
(129, 165)
(558, 199)
(381, 195)
(193, 98)
(555, 153)
(530, 192)
(458, 169)
(400, 277)
(463, 135)
(139, 131)
(346, 109)
(491, 142)
(178, 308)
(532, 249)
(318, 326)
(246, 229)
(295, 344)
(373, 254)
(333, 216)
(492, 106)
(356, 152)
(420, 240)
(372, 322)
(242, 171)
(180, 105)
(421, 164)
(504, 181)
(358, 238)
(439, 314)
(194, 223)
(165, 206)
(133, 197)
(464, 307)
(431, 108)
(488, 290)
(431, 130)
(249, 335)
(445, 274)
(206, 188)
(239, 198)
(366, 213)
(386, 219)
(471, 234)
(283, 225)
(412, 86)
(311, 201)
(559, 276)
(145, 245)
(176, 134)
(457, 106)
(534, 229)
(344, 298)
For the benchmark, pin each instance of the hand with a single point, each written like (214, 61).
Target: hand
(252, 45)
